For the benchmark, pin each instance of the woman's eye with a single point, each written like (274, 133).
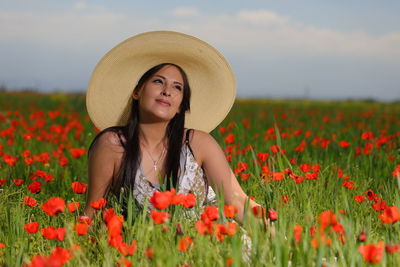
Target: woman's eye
(158, 81)
(178, 87)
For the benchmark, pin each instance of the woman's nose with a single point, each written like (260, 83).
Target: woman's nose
(166, 91)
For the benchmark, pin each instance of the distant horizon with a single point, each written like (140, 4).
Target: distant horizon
(4, 89)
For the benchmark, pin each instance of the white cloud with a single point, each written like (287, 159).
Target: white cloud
(257, 33)
(80, 5)
(185, 12)
(261, 17)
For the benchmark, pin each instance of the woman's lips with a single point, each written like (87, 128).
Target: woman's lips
(163, 102)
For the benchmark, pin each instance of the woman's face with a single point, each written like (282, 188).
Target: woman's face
(161, 96)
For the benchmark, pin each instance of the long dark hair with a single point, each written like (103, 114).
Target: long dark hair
(132, 154)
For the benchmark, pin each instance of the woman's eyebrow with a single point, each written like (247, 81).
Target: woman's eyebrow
(160, 76)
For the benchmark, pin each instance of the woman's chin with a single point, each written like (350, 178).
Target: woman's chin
(158, 117)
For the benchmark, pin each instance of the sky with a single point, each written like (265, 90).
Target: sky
(315, 49)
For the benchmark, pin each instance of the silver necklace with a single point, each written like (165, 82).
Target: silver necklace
(155, 162)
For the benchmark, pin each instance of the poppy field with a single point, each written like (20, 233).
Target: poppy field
(326, 174)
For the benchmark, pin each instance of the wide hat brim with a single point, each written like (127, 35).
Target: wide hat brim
(212, 82)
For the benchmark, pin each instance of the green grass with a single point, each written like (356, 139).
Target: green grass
(290, 123)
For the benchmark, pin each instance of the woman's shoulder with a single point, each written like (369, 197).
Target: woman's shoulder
(110, 139)
(198, 136)
(200, 142)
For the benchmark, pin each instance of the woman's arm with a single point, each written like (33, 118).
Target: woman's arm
(219, 173)
(103, 163)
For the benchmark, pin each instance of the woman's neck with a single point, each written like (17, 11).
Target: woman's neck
(152, 134)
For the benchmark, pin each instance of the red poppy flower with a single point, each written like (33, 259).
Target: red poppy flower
(122, 262)
(159, 217)
(127, 250)
(59, 254)
(212, 213)
(98, 204)
(297, 178)
(26, 153)
(359, 198)
(85, 219)
(81, 228)
(220, 231)
(114, 225)
(204, 228)
(285, 198)
(149, 253)
(272, 214)
(77, 152)
(230, 138)
(305, 167)
(53, 233)
(311, 175)
(316, 167)
(63, 161)
(29, 161)
(348, 184)
(262, 156)
(245, 176)
(60, 233)
(108, 214)
(241, 167)
(18, 181)
(231, 228)
(35, 187)
(297, 233)
(189, 201)
(259, 211)
(379, 204)
(178, 199)
(49, 232)
(396, 172)
(344, 143)
(390, 215)
(10, 160)
(277, 176)
(161, 200)
(275, 149)
(392, 248)
(229, 262)
(115, 241)
(362, 237)
(53, 206)
(30, 201)
(371, 195)
(31, 227)
(73, 206)
(184, 243)
(372, 253)
(78, 187)
(327, 218)
(230, 211)
(2, 181)
(367, 135)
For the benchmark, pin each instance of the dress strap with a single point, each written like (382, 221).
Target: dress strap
(187, 140)
(204, 176)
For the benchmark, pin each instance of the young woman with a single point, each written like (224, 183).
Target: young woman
(163, 138)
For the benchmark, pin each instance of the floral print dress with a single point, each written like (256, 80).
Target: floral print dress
(192, 179)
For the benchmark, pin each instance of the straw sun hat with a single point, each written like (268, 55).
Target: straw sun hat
(212, 82)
